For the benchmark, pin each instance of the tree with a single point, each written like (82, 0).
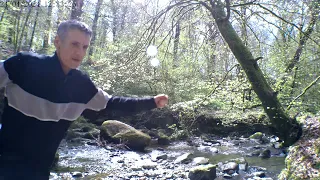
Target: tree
(76, 10)
(288, 128)
(47, 34)
(94, 28)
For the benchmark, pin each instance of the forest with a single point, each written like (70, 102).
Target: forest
(228, 56)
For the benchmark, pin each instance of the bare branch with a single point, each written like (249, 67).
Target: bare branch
(277, 16)
(303, 92)
(206, 6)
(244, 4)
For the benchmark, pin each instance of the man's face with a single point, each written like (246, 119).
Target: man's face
(72, 49)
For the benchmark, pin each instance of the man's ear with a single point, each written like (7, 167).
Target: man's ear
(57, 42)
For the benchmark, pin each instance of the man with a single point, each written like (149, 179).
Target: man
(43, 96)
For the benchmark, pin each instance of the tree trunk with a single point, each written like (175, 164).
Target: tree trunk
(23, 28)
(102, 40)
(289, 129)
(2, 15)
(34, 27)
(94, 28)
(76, 11)
(60, 5)
(176, 45)
(115, 22)
(303, 40)
(212, 58)
(47, 34)
(16, 34)
(244, 24)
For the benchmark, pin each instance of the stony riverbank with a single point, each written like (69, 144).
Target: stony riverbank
(234, 158)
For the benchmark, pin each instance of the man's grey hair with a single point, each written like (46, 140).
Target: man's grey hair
(65, 26)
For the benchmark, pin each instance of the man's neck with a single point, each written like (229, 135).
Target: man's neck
(65, 69)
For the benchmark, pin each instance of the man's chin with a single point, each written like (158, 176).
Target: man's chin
(74, 66)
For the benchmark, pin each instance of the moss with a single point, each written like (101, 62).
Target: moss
(203, 172)
(134, 139)
(257, 135)
(204, 168)
(163, 139)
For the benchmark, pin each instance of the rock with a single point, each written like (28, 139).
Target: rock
(230, 168)
(208, 149)
(227, 176)
(185, 158)
(243, 164)
(203, 172)
(200, 160)
(92, 134)
(258, 168)
(163, 156)
(119, 132)
(264, 140)
(277, 145)
(86, 128)
(265, 154)
(257, 136)
(258, 178)
(76, 174)
(146, 164)
(163, 140)
(255, 153)
(136, 168)
(259, 174)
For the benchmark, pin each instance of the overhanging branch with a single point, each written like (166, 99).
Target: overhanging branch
(303, 92)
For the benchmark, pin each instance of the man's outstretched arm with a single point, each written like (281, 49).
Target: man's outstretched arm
(136, 104)
(104, 101)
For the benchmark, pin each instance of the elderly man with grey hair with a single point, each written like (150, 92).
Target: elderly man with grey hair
(44, 95)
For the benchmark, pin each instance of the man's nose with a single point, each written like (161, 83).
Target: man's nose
(81, 52)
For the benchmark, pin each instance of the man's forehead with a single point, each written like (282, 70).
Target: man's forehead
(78, 36)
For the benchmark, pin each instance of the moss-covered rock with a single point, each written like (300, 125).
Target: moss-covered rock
(257, 135)
(118, 132)
(303, 157)
(203, 172)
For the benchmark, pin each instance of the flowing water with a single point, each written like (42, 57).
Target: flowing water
(94, 162)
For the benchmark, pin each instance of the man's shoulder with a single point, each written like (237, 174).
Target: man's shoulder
(32, 55)
(28, 57)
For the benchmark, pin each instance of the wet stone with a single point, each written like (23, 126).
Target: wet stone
(259, 174)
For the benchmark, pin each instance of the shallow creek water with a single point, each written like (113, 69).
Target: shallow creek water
(94, 162)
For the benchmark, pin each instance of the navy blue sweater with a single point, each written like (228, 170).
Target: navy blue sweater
(41, 102)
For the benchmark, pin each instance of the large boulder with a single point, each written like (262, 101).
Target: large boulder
(118, 132)
(203, 172)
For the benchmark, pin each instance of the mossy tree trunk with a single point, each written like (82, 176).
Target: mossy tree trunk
(289, 129)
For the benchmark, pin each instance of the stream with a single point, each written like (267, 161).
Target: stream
(173, 161)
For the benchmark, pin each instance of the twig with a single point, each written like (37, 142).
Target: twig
(303, 92)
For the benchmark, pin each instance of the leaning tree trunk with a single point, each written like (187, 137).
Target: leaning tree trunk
(289, 129)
